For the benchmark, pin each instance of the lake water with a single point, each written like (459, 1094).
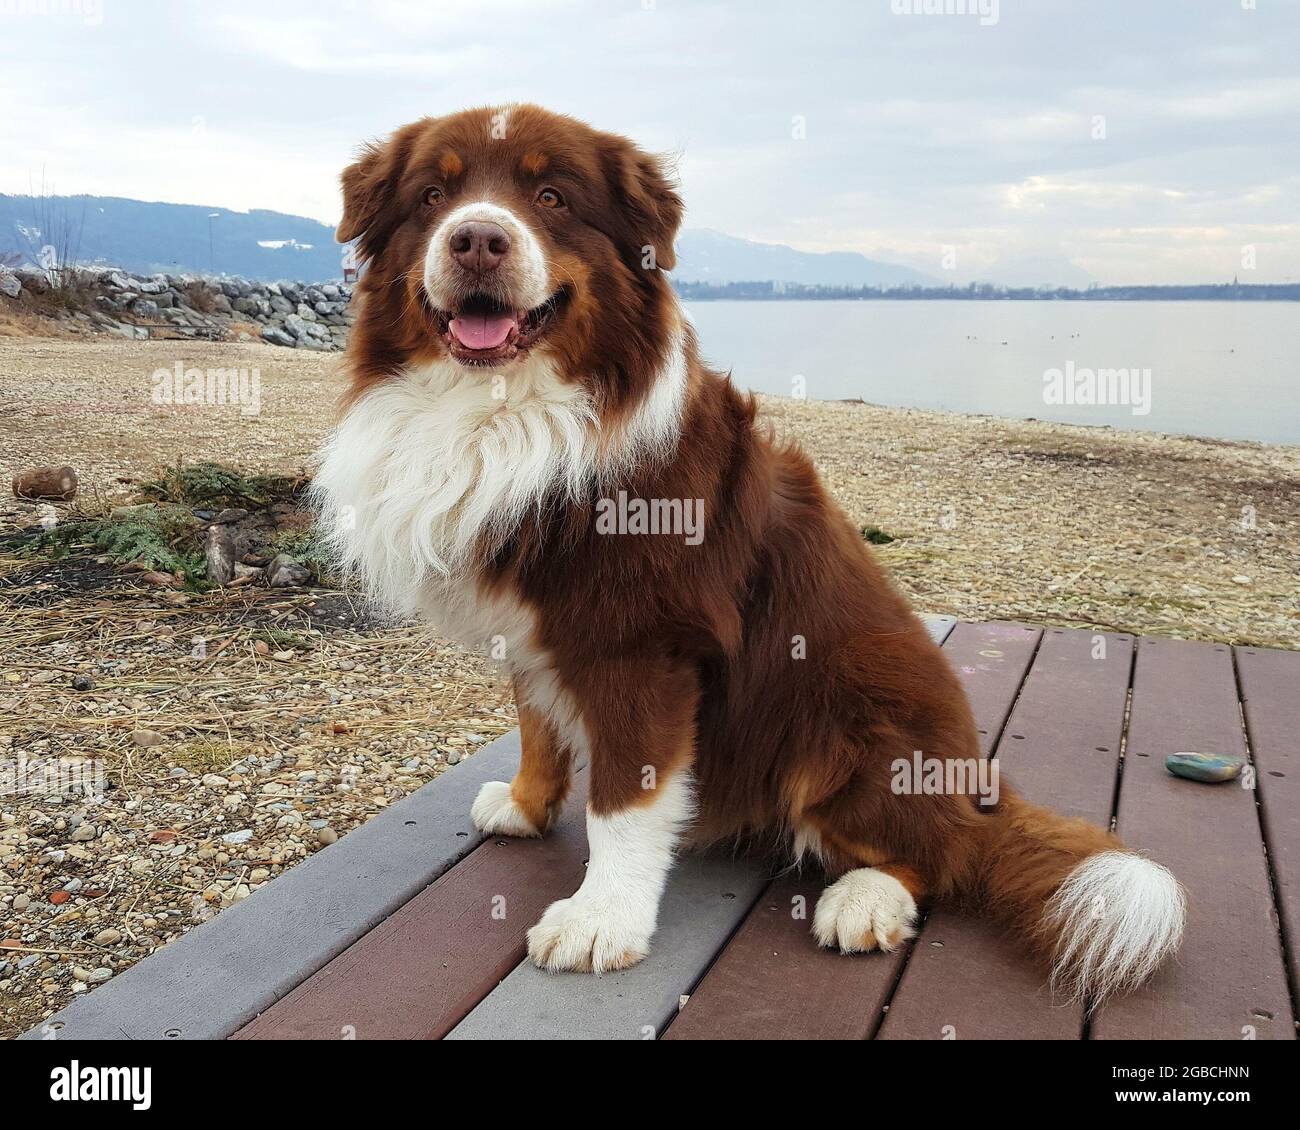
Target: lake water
(1224, 369)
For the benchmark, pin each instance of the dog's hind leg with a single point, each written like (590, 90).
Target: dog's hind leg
(869, 908)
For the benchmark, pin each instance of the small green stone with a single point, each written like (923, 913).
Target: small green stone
(1211, 767)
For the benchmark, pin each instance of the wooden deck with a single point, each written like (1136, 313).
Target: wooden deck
(412, 926)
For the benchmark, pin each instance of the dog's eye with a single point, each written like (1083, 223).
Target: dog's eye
(549, 198)
(434, 196)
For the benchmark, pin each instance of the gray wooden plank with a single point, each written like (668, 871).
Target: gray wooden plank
(939, 627)
(1228, 980)
(707, 897)
(1270, 695)
(209, 982)
(965, 978)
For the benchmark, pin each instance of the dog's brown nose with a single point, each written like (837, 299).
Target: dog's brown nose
(479, 245)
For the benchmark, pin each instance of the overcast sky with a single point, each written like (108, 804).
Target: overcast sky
(1122, 140)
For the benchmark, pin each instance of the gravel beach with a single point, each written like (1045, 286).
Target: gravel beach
(240, 730)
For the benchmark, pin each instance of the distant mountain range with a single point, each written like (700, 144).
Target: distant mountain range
(148, 237)
(713, 257)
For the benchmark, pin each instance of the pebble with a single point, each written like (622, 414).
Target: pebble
(22, 902)
(1210, 767)
(240, 837)
(84, 834)
(327, 836)
(83, 683)
(147, 738)
(215, 781)
(108, 937)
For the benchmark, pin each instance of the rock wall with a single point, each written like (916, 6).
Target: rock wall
(295, 315)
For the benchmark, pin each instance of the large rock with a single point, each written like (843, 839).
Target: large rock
(10, 285)
(145, 308)
(306, 313)
(278, 336)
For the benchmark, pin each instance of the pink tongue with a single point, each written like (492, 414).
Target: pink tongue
(481, 331)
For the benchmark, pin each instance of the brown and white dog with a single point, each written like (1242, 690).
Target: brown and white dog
(519, 360)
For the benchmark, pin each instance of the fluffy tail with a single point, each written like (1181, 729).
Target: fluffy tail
(1104, 916)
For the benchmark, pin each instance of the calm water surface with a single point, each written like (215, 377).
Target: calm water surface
(1224, 369)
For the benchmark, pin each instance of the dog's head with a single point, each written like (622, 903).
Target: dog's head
(490, 235)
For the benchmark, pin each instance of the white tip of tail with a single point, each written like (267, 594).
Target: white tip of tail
(1117, 916)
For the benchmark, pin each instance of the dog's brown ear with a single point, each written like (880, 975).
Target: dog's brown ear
(650, 204)
(368, 190)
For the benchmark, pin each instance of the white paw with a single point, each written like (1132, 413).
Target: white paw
(865, 910)
(495, 812)
(589, 936)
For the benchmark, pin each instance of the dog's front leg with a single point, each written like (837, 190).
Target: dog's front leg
(529, 804)
(639, 727)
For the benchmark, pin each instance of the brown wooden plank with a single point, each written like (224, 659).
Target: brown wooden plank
(772, 981)
(991, 660)
(966, 979)
(1270, 695)
(1228, 980)
(420, 972)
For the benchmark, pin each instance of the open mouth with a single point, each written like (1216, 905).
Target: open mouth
(485, 331)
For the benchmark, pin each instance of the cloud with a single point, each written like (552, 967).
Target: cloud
(922, 132)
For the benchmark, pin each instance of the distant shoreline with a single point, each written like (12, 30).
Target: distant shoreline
(790, 292)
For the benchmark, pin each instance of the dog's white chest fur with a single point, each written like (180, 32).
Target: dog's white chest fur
(431, 464)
